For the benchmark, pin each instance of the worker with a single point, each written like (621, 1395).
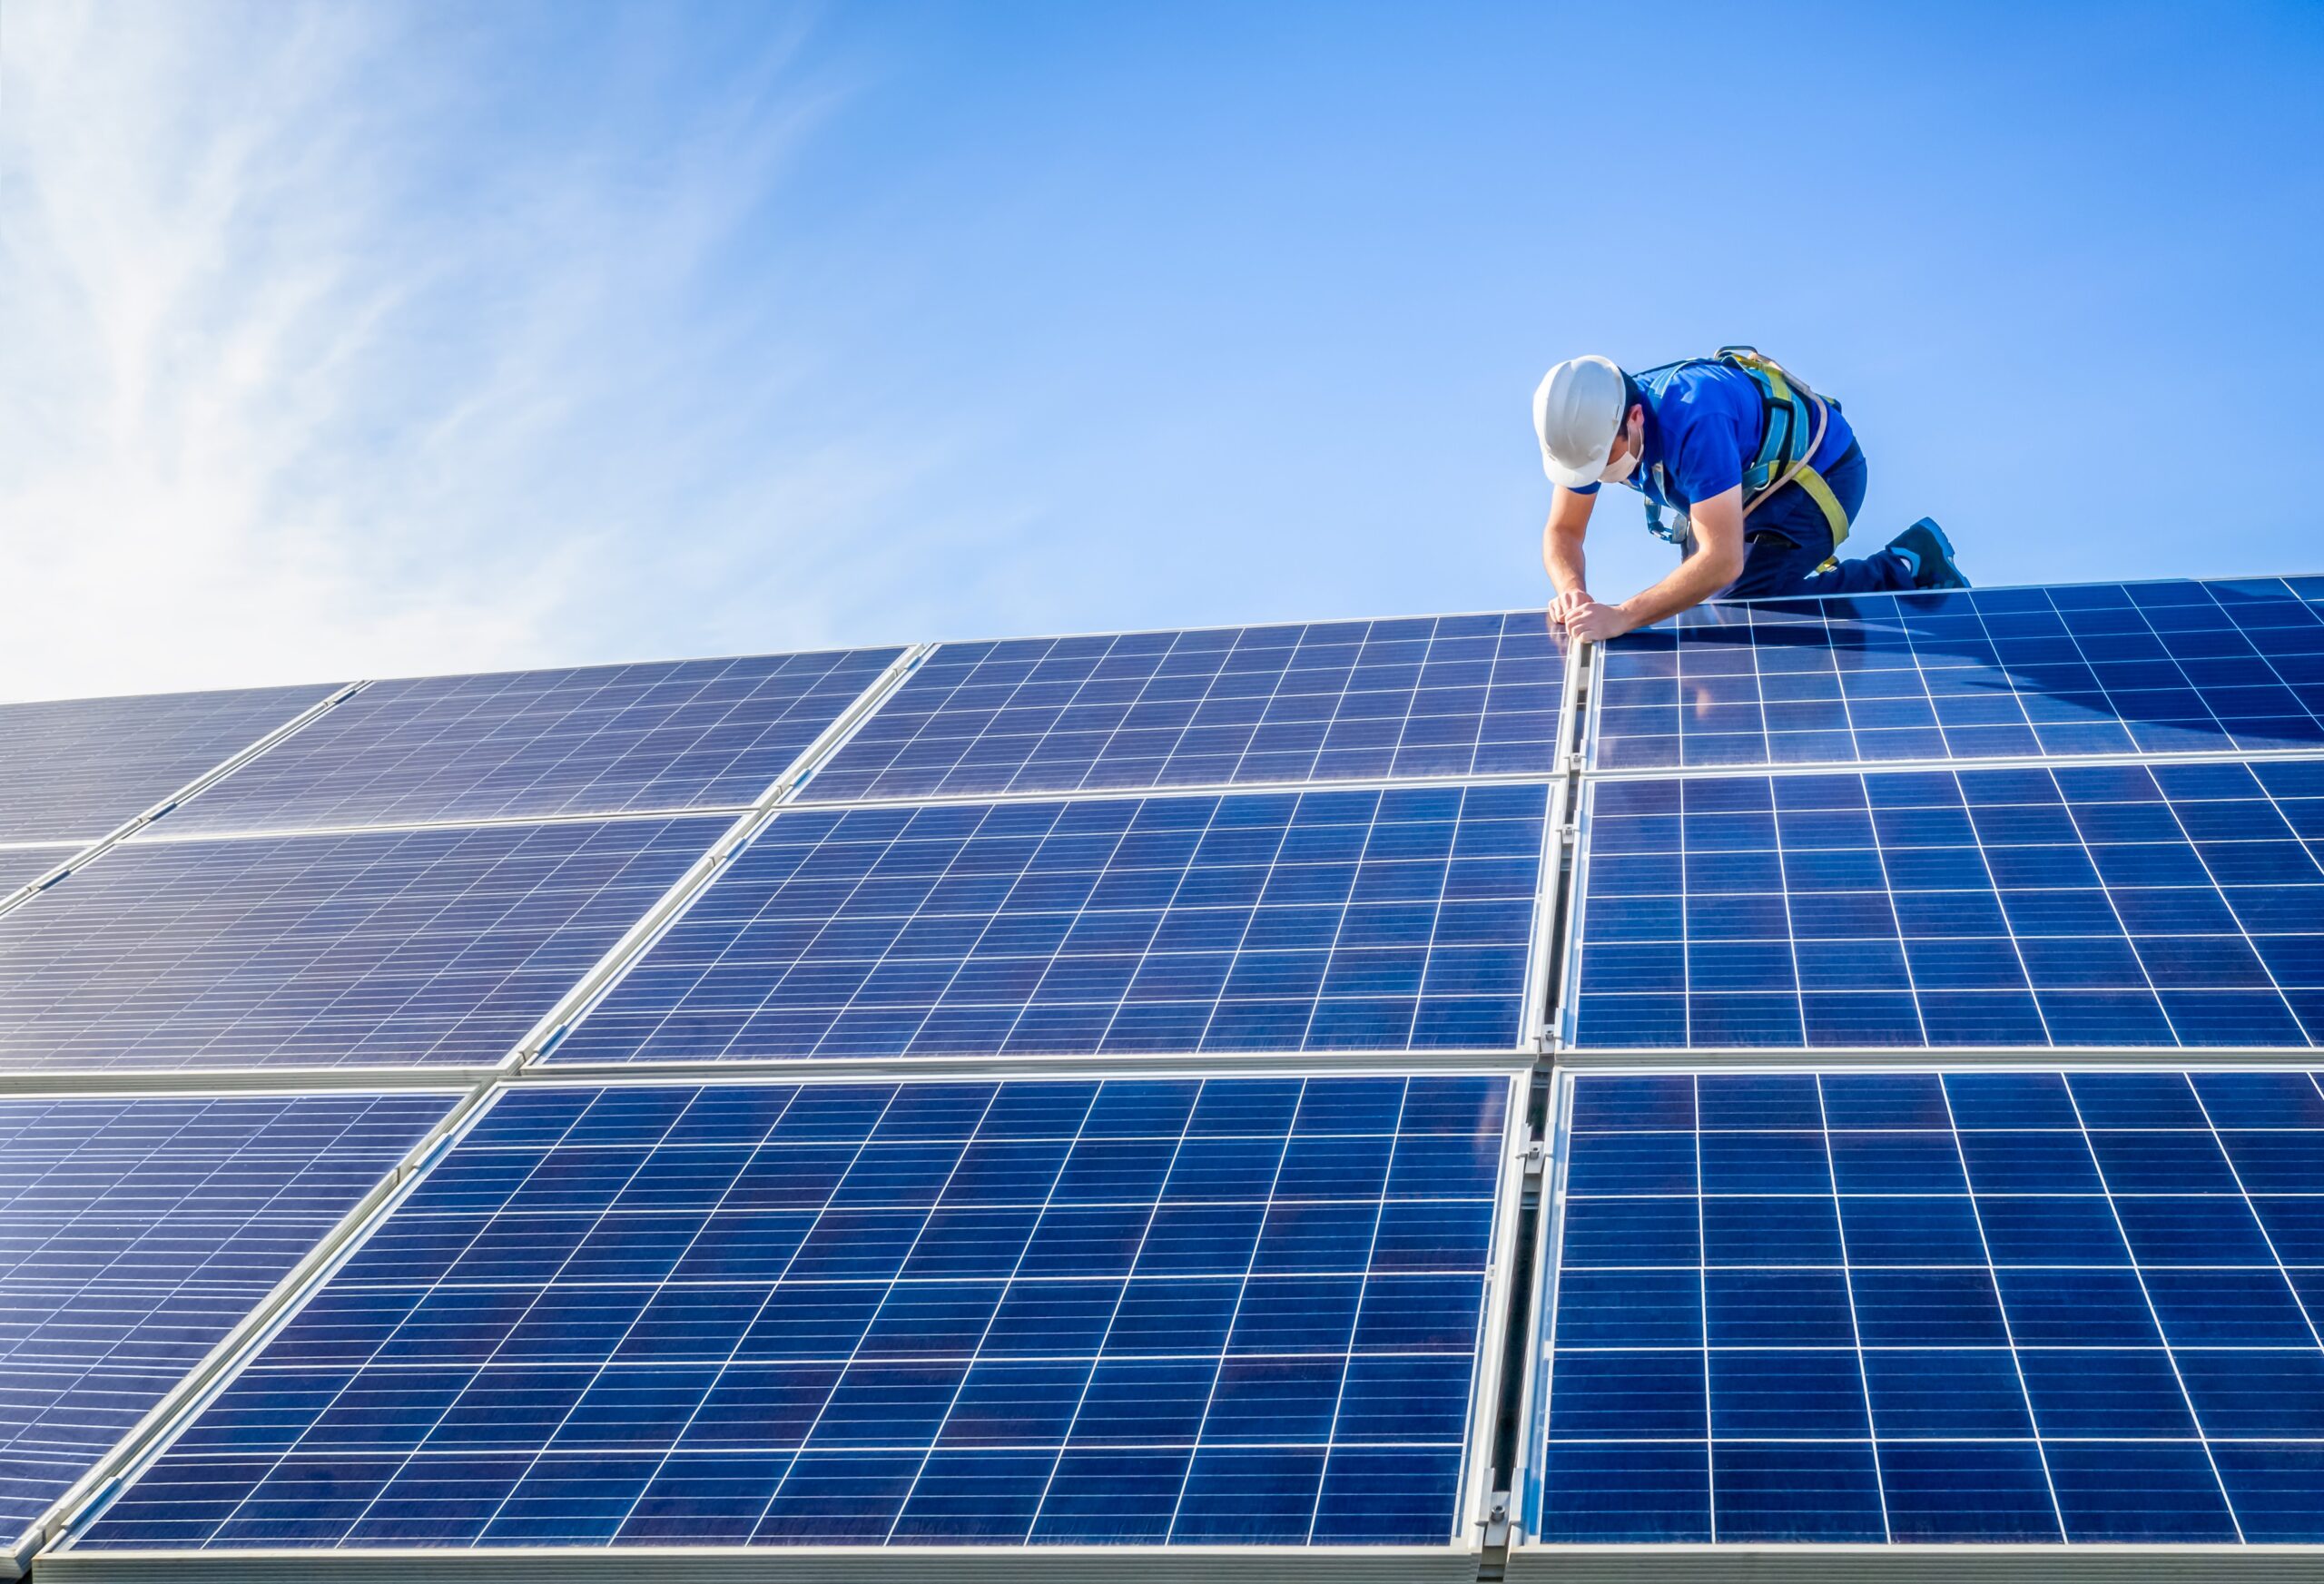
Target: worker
(1763, 475)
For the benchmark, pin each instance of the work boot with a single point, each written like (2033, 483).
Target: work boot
(1931, 553)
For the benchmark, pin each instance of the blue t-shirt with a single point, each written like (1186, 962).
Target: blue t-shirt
(1700, 425)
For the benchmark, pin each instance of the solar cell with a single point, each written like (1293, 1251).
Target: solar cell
(1159, 1312)
(381, 948)
(2063, 670)
(1317, 921)
(1997, 1306)
(1426, 696)
(135, 1234)
(79, 767)
(605, 738)
(2093, 905)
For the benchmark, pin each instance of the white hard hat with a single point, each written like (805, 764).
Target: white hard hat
(1577, 409)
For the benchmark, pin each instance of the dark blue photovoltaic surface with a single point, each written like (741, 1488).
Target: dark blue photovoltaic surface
(1430, 695)
(2069, 906)
(135, 1234)
(1315, 921)
(605, 738)
(79, 767)
(1137, 1312)
(376, 948)
(2090, 668)
(1993, 1306)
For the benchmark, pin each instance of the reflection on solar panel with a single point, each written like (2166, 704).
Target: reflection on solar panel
(2100, 668)
(135, 1234)
(79, 767)
(1253, 922)
(1432, 695)
(2072, 906)
(607, 739)
(1997, 1308)
(389, 947)
(1155, 1312)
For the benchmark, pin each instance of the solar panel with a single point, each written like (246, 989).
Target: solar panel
(1160, 1312)
(1427, 696)
(2070, 669)
(2095, 906)
(22, 865)
(607, 739)
(135, 1234)
(1976, 1306)
(1315, 921)
(375, 949)
(79, 767)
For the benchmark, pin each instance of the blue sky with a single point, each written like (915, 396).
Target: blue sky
(349, 340)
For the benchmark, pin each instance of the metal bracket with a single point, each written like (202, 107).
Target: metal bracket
(1495, 1561)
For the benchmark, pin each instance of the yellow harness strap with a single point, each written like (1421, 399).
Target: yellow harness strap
(1809, 479)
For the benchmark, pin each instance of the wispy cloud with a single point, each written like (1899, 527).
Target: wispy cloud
(338, 340)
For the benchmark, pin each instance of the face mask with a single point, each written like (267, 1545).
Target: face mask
(1622, 469)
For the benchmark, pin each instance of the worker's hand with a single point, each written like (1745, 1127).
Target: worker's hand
(1563, 607)
(1596, 623)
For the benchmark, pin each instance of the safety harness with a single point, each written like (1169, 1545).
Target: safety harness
(1792, 419)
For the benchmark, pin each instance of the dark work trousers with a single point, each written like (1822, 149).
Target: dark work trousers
(1789, 536)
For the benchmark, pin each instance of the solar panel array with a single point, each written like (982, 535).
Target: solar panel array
(80, 767)
(1175, 1311)
(1144, 1299)
(1332, 701)
(681, 734)
(1327, 920)
(1919, 1307)
(1890, 1302)
(2149, 668)
(2106, 906)
(374, 948)
(1087, 1107)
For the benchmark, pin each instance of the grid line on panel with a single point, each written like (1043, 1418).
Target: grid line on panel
(2035, 1305)
(2146, 1296)
(984, 1334)
(2062, 671)
(1383, 919)
(2301, 1301)
(1371, 1256)
(2053, 906)
(135, 1234)
(81, 767)
(441, 946)
(337, 1397)
(1053, 1255)
(1856, 1323)
(1327, 701)
(1702, 1279)
(2008, 1333)
(855, 1352)
(1233, 1319)
(1113, 1316)
(727, 1363)
(669, 737)
(1145, 949)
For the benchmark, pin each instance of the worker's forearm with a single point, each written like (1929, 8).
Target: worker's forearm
(1694, 580)
(1561, 553)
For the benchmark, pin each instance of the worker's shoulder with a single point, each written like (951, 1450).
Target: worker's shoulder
(1694, 375)
(1701, 386)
